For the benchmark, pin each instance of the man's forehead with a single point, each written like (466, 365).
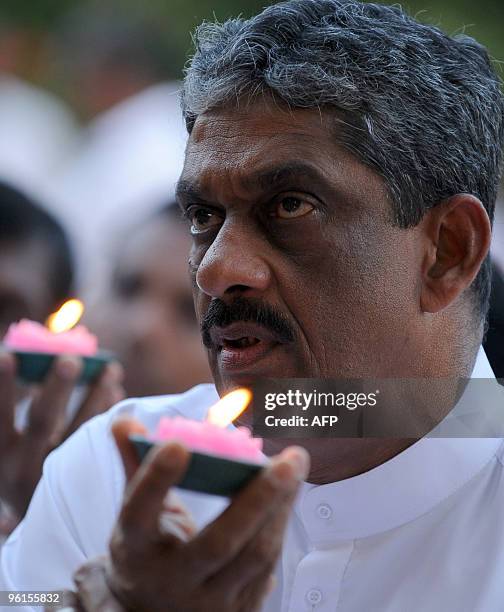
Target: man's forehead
(259, 120)
(255, 142)
(253, 146)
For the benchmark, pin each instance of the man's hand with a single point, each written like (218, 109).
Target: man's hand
(22, 453)
(226, 567)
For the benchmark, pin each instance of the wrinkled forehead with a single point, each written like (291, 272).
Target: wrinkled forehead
(250, 146)
(241, 135)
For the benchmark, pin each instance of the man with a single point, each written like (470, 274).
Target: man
(147, 316)
(340, 179)
(36, 275)
(36, 260)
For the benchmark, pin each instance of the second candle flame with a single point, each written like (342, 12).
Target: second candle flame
(229, 407)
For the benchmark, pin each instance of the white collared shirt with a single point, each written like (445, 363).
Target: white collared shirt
(423, 532)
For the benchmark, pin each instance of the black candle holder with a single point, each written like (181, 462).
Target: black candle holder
(33, 366)
(207, 473)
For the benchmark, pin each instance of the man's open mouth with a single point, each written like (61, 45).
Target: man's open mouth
(240, 342)
(241, 335)
(241, 345)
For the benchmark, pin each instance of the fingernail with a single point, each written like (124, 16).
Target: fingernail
(291, 465)
(299, 458)
(281, 473)
(68, 368)
(6, 362)
(173, 453)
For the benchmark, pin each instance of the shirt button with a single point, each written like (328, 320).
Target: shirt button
(314, 596)
(324, 511)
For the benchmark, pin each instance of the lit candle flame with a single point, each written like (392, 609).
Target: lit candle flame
(229, 407)
(66, 317)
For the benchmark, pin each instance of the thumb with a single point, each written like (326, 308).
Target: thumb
(122, 428)
(144, 499)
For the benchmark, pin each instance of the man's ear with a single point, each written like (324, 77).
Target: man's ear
(457, 239)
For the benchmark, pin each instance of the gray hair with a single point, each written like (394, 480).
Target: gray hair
(423, 109)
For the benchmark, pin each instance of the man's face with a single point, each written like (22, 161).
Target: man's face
(148, 318)
(286, 220)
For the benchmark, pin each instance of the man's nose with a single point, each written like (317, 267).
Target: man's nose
(234, 262)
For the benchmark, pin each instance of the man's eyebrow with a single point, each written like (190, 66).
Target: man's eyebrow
(187, 190)
(268, 178)
(263, 179)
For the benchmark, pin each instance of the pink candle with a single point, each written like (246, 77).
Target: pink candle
(205, 437)
(33, 337)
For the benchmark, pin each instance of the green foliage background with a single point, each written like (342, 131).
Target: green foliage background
(483, 19)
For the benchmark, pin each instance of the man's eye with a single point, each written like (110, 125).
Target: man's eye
(128, 286)
(291, 207)
(202, 219)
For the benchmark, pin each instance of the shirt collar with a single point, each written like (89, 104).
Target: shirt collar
(398, 491)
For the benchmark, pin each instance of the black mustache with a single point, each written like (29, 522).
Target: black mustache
(221, 314)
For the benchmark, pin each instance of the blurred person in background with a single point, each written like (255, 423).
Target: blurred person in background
(105, 54)
(36, 269)
(147, 315)
(38, 129)
(116, 65)
(35, 279)
(497, 247)
(494, 341)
